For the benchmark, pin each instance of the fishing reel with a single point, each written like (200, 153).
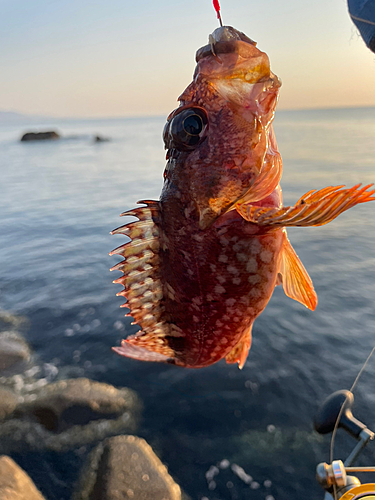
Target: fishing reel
(336, 411)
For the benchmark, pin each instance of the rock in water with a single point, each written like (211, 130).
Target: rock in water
(15, 484)
(40, 136)
(8, 402)
(66, 403)
(68, 414)
(125, 467)
(13, 351)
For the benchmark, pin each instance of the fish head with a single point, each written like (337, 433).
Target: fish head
(218, 138)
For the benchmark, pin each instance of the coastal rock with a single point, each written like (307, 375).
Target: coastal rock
(9, 321)
(67, 414)
(125, 467)
(40, 136)
(63, 404)
(99, 138)
(14, 351)
(8, 402)
(15, 484)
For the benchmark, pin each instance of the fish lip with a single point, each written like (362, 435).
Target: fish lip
(242, 48)
(225, 40)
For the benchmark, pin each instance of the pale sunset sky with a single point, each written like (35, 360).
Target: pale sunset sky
(108, 58)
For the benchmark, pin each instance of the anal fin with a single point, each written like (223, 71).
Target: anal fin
(296, 282)
(314, 208)
(137, 352)
(241, 350)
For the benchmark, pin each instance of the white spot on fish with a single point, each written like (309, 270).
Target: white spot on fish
(196, 319)
(236, 281)
(255, 246)
(266, 256)
(218, 323)
(241, 257)
(230, 302)
(219, 289)
(213, 268)
(232, 270)
(221, 279)
(209, 297)
(223, 258)
(255, 292)
(254, 279)
(198, 237)
(252, 265)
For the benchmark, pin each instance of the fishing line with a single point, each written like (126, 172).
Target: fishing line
(341, 412)
(217, 8)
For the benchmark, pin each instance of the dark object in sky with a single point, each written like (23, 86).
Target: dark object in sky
(363, 16)
(40, 136)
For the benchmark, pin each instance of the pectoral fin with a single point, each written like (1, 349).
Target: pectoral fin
(315, 208)
(297, 283)
(240, 351)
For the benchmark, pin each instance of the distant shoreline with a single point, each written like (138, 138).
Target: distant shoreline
(15, 118)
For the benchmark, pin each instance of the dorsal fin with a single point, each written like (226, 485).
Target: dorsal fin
(141, 279)
(143, 288)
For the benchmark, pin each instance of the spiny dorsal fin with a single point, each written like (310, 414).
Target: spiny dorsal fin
(141, 279)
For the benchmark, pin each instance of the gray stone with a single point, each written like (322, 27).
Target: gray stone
(40, 136)
(15, 484)
(14, 351)
(8, 402)
(9, 321)
(68, 414)
(125, 467)
(63, 404)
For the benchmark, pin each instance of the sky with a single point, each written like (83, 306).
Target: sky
(112, 58)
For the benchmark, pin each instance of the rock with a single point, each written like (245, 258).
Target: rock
(125, 467)
(13, 351)
(40, 136)
(8, 402)
(70, 413)
(99, 138)
(9, 321)
(63, 404)
(15, 484)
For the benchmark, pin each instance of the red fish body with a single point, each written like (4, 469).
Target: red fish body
(204, 260)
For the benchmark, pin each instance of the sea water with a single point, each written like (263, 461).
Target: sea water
(224, 433)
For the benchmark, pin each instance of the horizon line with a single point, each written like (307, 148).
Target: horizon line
(159, 115)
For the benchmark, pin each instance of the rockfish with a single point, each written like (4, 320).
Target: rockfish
(204, 260)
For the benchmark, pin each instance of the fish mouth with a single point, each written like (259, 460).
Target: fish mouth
(232, 56)
(224, 40)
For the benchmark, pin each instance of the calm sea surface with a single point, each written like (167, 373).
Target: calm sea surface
(59, 201)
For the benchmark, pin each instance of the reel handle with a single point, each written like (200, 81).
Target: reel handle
(325, 419)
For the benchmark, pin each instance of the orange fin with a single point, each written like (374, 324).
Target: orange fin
(137, 352)
(297, 283)
(315, 208)
(240, 351)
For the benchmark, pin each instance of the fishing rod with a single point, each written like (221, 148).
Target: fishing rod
(336, 477)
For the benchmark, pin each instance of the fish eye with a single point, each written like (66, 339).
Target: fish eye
(186, 129)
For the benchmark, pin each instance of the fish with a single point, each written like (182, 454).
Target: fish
(203, 261)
